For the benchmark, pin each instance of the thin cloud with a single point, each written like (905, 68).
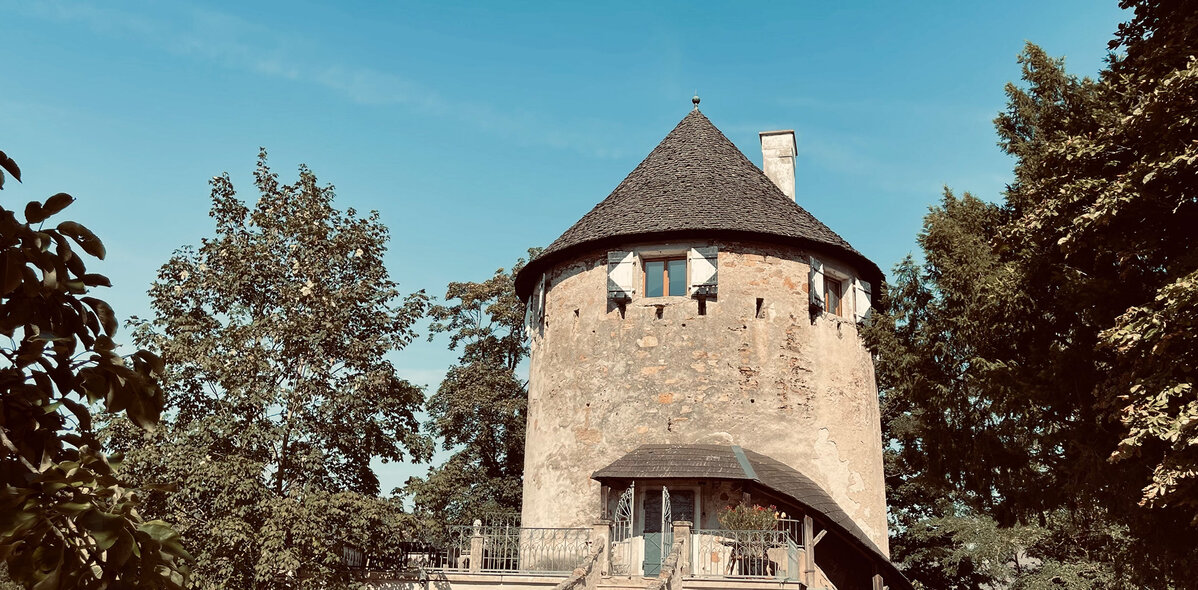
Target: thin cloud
(234, 43)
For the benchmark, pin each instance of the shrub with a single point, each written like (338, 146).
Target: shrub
(743, 517)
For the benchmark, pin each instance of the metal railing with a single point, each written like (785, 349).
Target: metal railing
(792, 527)
(405, 556)
(504, 549)
(353, 557)
(746, 554)
(500, 518)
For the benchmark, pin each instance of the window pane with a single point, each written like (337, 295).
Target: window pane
(676, 269)
(682, 505)
(833, 297)
(653, 278)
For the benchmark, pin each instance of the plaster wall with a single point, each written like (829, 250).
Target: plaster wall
(602, 382)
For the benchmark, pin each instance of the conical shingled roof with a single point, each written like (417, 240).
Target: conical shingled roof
(695, 183)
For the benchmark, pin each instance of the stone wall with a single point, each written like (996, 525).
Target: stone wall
(754, 370)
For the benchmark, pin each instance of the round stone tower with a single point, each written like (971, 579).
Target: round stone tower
(698, 304)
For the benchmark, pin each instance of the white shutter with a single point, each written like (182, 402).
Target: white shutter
(861, 300)
(703, 267)
(528, 314)
(535, 308)
(621, 275)
(541, 301)
(815, 279)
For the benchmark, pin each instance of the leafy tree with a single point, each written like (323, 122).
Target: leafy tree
(66, 519)
(1037, 369)
(480, 408)
(1154, 193)
(276, 332)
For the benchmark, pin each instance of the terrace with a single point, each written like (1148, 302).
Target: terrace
(484, 555)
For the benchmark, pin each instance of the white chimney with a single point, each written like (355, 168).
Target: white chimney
(778, 150)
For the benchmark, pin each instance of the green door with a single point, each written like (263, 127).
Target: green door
(661, 510)
(656, 509)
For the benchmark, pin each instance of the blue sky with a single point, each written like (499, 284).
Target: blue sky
(480, 129)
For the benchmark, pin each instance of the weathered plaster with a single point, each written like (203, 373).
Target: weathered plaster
(603, 382)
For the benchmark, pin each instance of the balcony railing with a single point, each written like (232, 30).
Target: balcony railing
(514, 549)
(776, 554)
(746, 554)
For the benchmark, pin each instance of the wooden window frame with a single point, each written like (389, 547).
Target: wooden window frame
(665, 274)
(828, 282)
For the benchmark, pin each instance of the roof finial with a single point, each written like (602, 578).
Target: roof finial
(695, 100)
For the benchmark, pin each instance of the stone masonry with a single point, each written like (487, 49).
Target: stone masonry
(755, 370)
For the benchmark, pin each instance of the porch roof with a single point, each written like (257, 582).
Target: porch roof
(731, 462)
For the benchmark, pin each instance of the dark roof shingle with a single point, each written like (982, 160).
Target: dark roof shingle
(694, 183)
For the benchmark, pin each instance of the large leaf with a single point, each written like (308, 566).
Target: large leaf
(80, 411)
(105, 528)
(152, 361)
(34, 213)
(158, 530)
(95, 280)
(47, 561)
(122, 550)
(17, 520)
(104, 313)
(57, 203)
(13, 263)
(73, 508)
(84, 237)
(144, 410)
(8, 164)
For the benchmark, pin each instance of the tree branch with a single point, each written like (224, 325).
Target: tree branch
(11, 447)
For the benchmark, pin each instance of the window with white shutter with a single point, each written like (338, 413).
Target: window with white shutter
(541, 288)
(815, 279)
(621, 275)
(861, 300)
(534, 312)
(703, 266)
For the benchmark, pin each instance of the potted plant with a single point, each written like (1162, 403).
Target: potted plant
(753, 526)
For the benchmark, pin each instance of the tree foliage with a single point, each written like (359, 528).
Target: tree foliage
(1037, 368)
(276, 332)
(66, 519)
(479, 410)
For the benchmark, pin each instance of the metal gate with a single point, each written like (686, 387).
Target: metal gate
(621, 533)
(659, 531)
(667, 525)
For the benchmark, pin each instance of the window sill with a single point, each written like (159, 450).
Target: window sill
(666, 300)
(837, 319)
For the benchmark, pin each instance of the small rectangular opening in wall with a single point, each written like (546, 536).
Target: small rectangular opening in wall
(757, 312)
(660, 310)
(702, 306)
